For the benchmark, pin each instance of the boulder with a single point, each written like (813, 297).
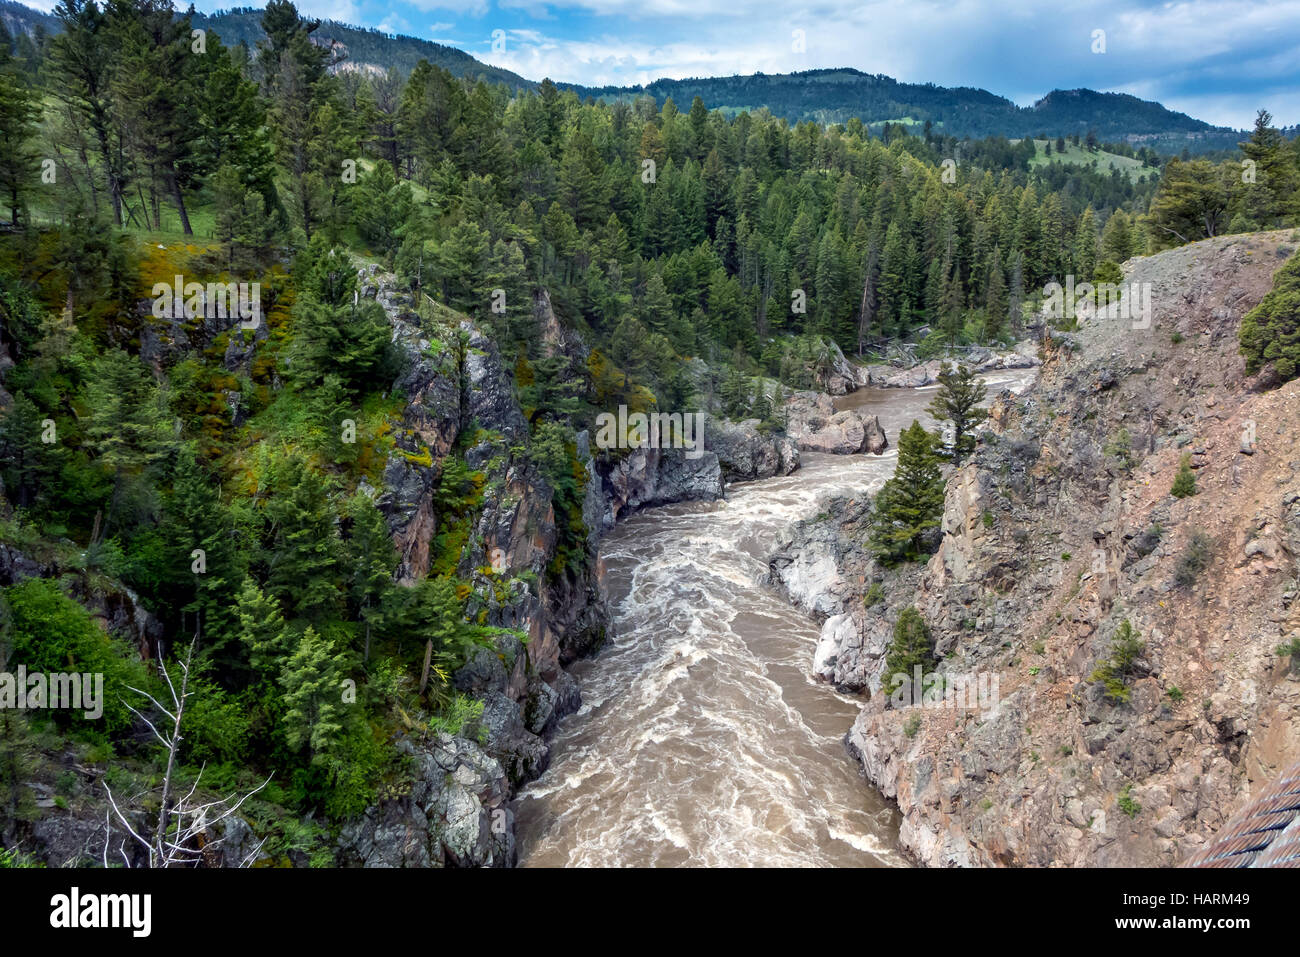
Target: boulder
(815, 426)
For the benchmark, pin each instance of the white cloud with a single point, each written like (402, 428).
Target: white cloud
(469, 8)
(342, 11)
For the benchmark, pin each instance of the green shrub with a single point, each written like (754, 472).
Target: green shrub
(52, 633)
(1118, 670)
(16, 859)
(1126, 802)
(874, 596)
(1120, 448)
(1194, 560)
(1184, 482)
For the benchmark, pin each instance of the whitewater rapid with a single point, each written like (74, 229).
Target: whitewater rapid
(702, 738)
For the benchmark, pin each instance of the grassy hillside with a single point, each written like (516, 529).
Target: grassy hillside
(1082, 156)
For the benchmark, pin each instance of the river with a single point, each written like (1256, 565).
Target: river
(702, 738)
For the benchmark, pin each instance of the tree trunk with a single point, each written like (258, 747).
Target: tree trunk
(428, 660)
(179, 199)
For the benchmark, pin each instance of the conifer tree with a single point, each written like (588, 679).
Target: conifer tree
(910, 647)
(261, 630)
(311, 679)
(19, 111)
(372, 559)
(910, 504)
(960, 393)
(1271, 331)
(30, 464)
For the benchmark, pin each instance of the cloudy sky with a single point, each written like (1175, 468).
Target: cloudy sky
(1218, 60)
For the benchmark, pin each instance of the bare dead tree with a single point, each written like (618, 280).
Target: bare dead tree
(182, 834)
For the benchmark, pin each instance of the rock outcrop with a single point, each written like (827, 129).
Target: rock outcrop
(837, 375)
(461, 396)
(815, 426)
(746, 453)
(455, 813)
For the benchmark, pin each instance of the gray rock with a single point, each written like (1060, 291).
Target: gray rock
(811, 420)
(455, 814)
(744, 453)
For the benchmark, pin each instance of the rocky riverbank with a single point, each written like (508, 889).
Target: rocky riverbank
(1061, 528)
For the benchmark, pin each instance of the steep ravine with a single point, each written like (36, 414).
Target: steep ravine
(458, 811)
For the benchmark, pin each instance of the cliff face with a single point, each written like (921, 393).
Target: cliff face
(1061, 528)
(527, 571)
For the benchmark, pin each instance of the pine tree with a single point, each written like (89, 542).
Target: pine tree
(80, 60)
(311, 679)
(1274, 196)
(1116, 239)
(910, 504)
(352, 343)
(30, 464)
(960, 393)
(302, 553)
(261, 629)
(19, 111)
(657, 305)
(1016, 294)
(893, 281)
(910, 647)
(1270, 333)
(372, 559)
(128, 426)
(995, 302)
(1085, 246)
(1192, 201)
(197, 520)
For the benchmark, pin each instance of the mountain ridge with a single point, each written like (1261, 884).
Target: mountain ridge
(825, 95)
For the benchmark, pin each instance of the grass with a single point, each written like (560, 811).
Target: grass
(1080, 156)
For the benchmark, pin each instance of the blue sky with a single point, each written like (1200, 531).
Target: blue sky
(1218, 60)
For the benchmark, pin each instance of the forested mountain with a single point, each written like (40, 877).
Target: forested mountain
(453, 277)
(835, 96)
